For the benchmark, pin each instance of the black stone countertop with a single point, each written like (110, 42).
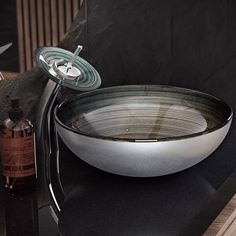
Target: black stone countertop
(185, 203)
(99, 203)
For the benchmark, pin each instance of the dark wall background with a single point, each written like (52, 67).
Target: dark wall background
(182, 39)
(8, 33)
(189, 43)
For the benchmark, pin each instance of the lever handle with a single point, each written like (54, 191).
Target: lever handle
(76, 53)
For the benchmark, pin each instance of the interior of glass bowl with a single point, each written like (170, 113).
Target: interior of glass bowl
(139, 112)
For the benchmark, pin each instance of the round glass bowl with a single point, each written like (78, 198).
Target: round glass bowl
(143, 130)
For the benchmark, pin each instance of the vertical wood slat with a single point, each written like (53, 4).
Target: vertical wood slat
(42, 23)
(81, 2)
(47, 23)
(40, 19)
(75, 7)
(33, 25)
(27, 40)
(19, 15)
(61, 19)
(54, 22)
(68, 14)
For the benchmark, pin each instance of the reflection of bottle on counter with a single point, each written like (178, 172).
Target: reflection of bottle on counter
(18, 152)
(21, 215)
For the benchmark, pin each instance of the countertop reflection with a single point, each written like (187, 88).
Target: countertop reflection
(20, 215)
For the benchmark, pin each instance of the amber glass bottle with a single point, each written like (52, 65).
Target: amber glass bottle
(18, 152)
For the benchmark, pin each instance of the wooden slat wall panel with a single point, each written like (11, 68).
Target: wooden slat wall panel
(33, 24)
(42, 23)
(75, 7)
(47, 23)
(61, 19)
(20, 29)
(68, 8)
(27, 34)
(54, 22)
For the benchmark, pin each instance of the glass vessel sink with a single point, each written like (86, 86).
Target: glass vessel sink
(143, 130)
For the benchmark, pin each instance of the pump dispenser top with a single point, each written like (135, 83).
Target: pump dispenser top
(15, 113)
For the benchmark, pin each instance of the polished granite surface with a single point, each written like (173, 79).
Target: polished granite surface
(99, 203)
(185, 203)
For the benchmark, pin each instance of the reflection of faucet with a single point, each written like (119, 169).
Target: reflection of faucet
(3, 49)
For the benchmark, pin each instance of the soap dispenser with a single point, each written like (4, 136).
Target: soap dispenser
(18, 152)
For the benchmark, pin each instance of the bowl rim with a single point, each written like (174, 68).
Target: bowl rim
(169, 88)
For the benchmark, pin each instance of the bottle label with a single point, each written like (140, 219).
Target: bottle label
(18, 155)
